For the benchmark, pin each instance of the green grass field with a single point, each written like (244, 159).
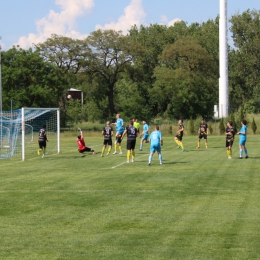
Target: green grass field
(197, 205)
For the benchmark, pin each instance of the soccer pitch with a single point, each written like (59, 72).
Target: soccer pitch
(197, 205)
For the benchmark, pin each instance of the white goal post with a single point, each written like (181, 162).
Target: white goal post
(38, 112)
(20, 130)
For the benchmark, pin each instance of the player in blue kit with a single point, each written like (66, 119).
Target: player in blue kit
(242, 139)
(144, 135)
(155, 144)
(119, 125)
(119, 131)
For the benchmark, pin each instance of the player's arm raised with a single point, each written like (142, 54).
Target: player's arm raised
(81, 133)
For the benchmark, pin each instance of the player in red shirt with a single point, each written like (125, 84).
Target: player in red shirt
(81, 144)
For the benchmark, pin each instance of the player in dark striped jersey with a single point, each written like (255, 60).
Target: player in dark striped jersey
(42, 139)
(230, 136)
(131, 132)
(203, 132)
(178, 137)
(108, 133)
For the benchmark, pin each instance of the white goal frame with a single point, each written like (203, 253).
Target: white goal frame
(24, 109)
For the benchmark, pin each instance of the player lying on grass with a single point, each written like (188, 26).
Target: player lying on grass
(81, 144)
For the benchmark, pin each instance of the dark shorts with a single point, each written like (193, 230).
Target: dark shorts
(130, 145)
(108, 142)
(203, 135)
(179, 137)
(42, 144)
(229, 143)
(118, 139)
(85, 150)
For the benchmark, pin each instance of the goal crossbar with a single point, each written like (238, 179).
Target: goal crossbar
(19, 131)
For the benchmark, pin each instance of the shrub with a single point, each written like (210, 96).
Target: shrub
(221, 126)
(233, 119)
(210, 129)
(191, 127)
(254, 126)
(170, 130)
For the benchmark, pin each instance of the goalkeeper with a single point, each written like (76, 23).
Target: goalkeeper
(156, 142)
(81, 144)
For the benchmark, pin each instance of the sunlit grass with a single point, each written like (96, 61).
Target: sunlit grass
(197, 205)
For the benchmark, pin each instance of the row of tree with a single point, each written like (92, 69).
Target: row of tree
(155, 70)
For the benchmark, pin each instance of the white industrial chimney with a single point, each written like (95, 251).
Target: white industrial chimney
(223, 61)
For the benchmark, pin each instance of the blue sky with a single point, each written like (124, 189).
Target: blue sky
(25, 22)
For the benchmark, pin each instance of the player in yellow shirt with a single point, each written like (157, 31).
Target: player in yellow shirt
(137, 125)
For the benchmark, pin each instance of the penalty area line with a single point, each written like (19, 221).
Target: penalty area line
(118, 165)
(126, 162)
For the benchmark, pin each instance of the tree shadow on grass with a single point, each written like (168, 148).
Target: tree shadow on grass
(76, 156)
(244, 158)
(170, 162)
(154, 162)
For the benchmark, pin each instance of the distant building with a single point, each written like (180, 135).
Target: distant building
(76, 94)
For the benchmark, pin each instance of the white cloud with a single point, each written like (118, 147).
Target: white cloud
(172, 22)
(164, 19)
(62, 23)
(133, 14)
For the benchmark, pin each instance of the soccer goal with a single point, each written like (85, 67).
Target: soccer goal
(19, 131)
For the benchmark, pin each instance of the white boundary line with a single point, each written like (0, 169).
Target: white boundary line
(15, 161)
(126, 162)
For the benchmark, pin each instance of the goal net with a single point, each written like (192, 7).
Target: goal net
(19, 130)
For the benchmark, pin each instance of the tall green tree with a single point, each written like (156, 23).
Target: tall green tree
(244, 61)
(66, 53)
(110, 56)
(133, 105)
(182, 88)
(29, 81)
(150, 42)
(68, 56)
(207, 35)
